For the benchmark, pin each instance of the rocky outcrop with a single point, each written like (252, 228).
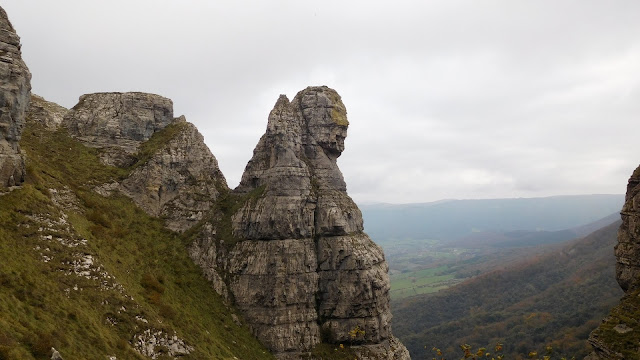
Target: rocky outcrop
(172, 175)
(117, 123)
(45, 112)
(15, 87)
(180, 181)
(618, 337)
(302, 269)
(287, 246)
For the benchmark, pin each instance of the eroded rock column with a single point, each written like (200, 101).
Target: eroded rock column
(303, 270)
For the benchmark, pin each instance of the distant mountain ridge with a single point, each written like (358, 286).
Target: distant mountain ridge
(523, 238)
(453, 219)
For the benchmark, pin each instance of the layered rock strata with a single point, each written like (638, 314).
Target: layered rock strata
(303, 271)
(618, 337)
(175, 176)
(15, 88)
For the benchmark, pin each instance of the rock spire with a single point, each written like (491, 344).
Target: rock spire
(304, 271)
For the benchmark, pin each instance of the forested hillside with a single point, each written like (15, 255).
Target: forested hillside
(555, 299)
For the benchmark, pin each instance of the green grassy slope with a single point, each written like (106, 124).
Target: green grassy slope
(89, 275)
(555, 299)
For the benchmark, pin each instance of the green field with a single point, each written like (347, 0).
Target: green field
(421, 282)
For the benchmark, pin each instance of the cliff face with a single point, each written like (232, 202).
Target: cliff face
(302, 270)
(628, 247)
(618, 337)
(15, 86)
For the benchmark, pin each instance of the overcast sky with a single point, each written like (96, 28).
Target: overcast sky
(446, 99)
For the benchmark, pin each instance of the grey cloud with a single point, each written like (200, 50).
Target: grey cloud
(447, 99)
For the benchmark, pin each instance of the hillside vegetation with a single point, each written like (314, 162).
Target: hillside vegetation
(95, 276)
(555, 299)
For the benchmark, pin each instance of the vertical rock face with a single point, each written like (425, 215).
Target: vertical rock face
(628, 247)
(15, 87)
(304, 271)
(618, 337)
(118, 123)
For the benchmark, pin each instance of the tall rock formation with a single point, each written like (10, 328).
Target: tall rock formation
(172, 175)
(618, 337)
(302, 269)
(287, 246)
(15, 88)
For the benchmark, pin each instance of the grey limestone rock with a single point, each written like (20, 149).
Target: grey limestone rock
(628, 248)
(177, 178)
(117, 123)
(45, 112)
(180, 182)
(15, 88)
(303, 271)
(206, 253)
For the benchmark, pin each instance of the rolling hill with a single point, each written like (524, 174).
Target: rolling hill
(554, 299)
